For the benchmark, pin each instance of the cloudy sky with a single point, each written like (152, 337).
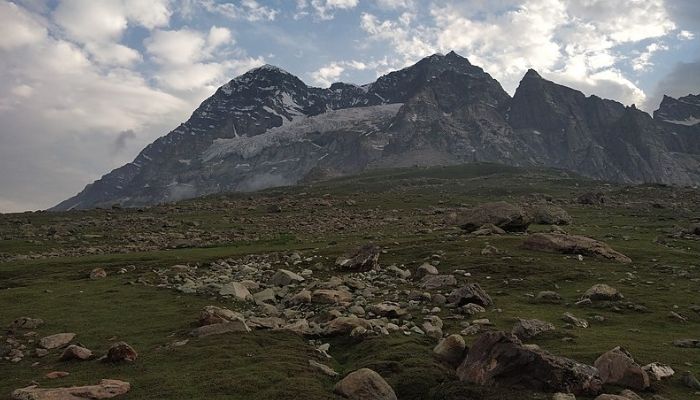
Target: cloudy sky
(85, 84)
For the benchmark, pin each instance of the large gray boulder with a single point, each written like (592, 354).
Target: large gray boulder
(572, 244)
(504, 215)
(500, 359)
(364, 384)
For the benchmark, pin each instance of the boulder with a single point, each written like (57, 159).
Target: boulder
(689, 380)
(658, 371)
(570, 318)
(364, 384)
(56, 341)
(284, 277)
(106, 389)
(345, 325)
(504, 215)
(215, 315)
(603, 292)
(98, 273)
(121, 352)
(387, 309)
(236, 325)
(365, 258)
(25, 323)
(451, 349)
(563, 396)
(488, 229)
(617, 367)
(549, 214)
(431, 282)
(526, 329)
(591, 198)
(500, 359)
(75, 352)
(572, 244)
(237, 290)
(303, 297)
(56, 374)
(324, 369)
(426, 269)
(470, 293)
(687, 343)
(331, 296)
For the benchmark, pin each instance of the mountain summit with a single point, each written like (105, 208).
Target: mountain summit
(267, 128)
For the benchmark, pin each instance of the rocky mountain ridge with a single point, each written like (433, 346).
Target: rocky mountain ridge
(267, 128)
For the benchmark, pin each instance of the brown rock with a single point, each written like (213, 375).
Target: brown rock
(603, 292)
(617, 367)
(572, 244)
(345, 325)
(501, 214)
(98, 273)
(365, 258)
(451, 349)
(526, 329)
(56, 341)
(330, 296)
(500, 359)
(470, 293)
(75, 352)
(56, 374)
(215, 315)
(431, 282)
(106, 389)
(121, 351)
(25, 323)
(237, 325)
(364, 384)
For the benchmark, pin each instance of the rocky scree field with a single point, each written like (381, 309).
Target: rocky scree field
(408, 283)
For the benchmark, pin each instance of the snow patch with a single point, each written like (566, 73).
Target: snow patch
(360, 119)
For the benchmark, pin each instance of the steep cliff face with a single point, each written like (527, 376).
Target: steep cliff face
(267, 128)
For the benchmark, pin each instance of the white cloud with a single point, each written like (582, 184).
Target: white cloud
(249, 10)
(184, 46)
(577, 42)
(327, 74)
(395, 4)
(686, 35)
(18, 28)
(325, 8)
(219, 36)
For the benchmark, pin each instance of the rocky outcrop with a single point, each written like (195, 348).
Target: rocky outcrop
(617, 367)
(572, 244)
(500, 359)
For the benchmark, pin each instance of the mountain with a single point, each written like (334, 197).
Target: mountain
(267, 128)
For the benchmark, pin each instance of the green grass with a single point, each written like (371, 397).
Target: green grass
(405, 211)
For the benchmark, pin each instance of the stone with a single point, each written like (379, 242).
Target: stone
(630, 395)
(265, 322)
(470, 293)
(549, 214)
(331, 296)
(548, 296)
(526, 329)
(387, 309)
(570, 318)
(689, 380)
(506, 216)
(265, 296)
(572, 244)
(326, 370)
(471, 309)
(25, 323)
(98, 273)
(75, 352)
(687, 343)
(56, 341)
(345, 325)
(617, 367)
(56, 374)
(303, 297)
(591, 198)
(500, 359)
(563, 396)
(366, 258)
(426, 269)
(451, 349)
(364, 384)
(488, 229)
(215, 315)
(237, 290)
(658, 371)
(603, 292)
(432, 282)
(121, 352)
(106, 389)
(236, 325)
(610, 397)
(285, 277)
